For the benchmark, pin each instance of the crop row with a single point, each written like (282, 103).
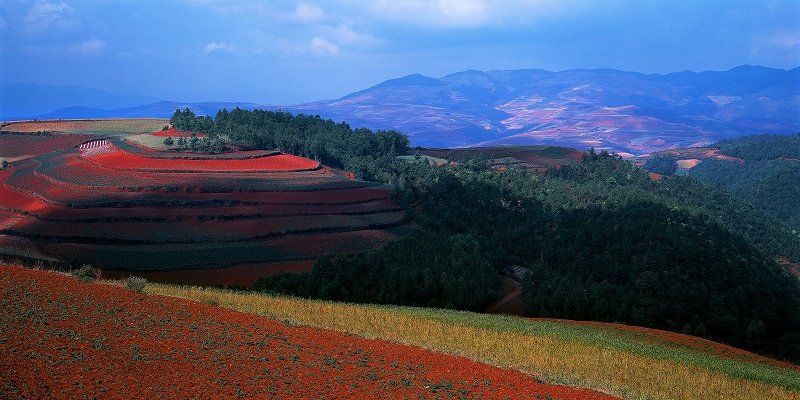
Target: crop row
(67, 169)
(17, 145)
(275, 163)
(202, 228)
(118, 125)
(153, 257)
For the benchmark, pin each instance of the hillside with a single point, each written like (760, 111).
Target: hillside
(236, 351)
(595, 238)
(618, 111)
(762, 169)
(158, 346)
(92, 195)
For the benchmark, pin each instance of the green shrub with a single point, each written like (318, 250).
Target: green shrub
(86, 273)
(135, 284)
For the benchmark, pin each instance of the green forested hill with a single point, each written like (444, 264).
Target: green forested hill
(768, 177)
(602, 240)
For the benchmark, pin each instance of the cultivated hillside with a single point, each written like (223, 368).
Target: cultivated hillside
(89, 195)
(102, 340)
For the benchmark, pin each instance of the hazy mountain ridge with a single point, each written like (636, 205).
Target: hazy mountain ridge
(606, 109)
(28, 100)
(626, 112)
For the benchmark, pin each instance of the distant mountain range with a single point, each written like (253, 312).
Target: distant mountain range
(626, 112)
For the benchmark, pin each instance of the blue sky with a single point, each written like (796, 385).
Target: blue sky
(288, 52)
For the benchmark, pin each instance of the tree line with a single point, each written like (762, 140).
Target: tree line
(768, 178)
(361, 151)
(602, 240)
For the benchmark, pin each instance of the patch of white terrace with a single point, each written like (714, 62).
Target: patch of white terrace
(95, 148)
(722, 100)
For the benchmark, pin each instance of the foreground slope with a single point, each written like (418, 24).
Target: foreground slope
(167, 346)
(66, 339)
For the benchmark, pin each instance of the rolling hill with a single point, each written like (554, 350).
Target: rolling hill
(87, 191)
(619, 111)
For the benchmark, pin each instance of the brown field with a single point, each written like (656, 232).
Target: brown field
(95, 126)
(531, 158)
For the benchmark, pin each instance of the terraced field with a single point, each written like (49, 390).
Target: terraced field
(123, 207)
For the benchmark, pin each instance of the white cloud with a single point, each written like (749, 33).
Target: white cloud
(786, 40)
(89, 47)
(343, 34)
(308, 14)
(322, 47)
(214, 46)
(42, 15)
(433, 12)
(783, 45)
(471, 13)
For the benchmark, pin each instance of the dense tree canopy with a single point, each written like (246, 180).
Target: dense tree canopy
(768, 177)
(601, 240)
(662, 164)
(361, 151)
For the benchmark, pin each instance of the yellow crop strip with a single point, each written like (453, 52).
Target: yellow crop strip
(90, 126)
(621, 373)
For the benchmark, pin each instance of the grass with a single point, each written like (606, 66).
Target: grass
(90, 126)
(429, 159)
(148, 140)
(611, 360)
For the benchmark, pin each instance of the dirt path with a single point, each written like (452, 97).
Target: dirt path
(512, 302)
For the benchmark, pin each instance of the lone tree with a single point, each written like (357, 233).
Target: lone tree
(168, 141)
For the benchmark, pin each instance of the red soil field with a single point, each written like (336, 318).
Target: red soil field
(65, 339)
(128, 161)
(137, 211)
(654, 176)
(791, 267)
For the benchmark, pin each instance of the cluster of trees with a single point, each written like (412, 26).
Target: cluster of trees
(662, 164)
(217, 144)
(761, 147)
(603, 241)
(768, 178)
(426, 270)
(365, 153)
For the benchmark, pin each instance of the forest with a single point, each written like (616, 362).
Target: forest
(768, 176)
(601, 239)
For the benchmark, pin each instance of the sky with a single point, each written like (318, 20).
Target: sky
(289, 52)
